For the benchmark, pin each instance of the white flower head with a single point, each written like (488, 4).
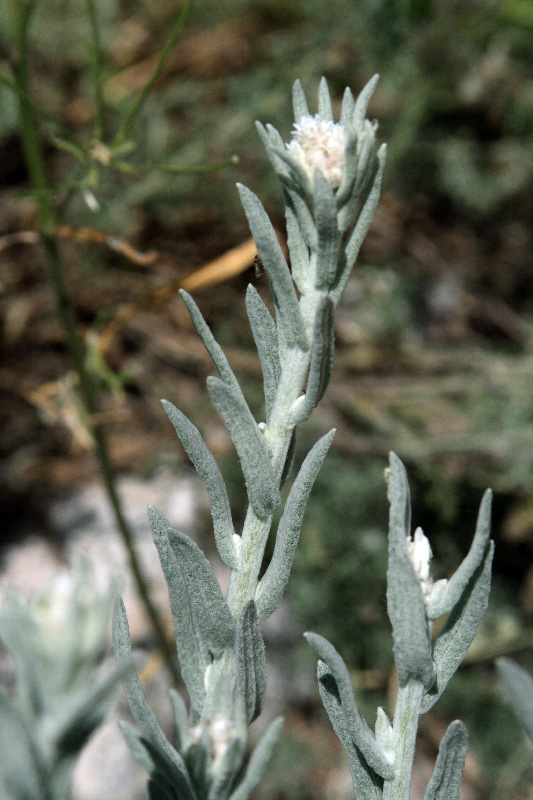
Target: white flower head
(420, 555)
(319, 144)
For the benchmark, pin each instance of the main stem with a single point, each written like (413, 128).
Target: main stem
(36, 170)
(405, 728)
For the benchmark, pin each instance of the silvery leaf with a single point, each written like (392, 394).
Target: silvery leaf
(261, 483)
(207, 467)
(321, 360)
(251, 665)
(366, 783)
(361, 104)
(299, 103)
(445, 782)
(457, 583)
(325, 109)
(275, 579)
(357, 728)
(298, 249)
(279, 276)
(266, 340)
(405, 601)
(140, 709)
(258, 761)
(450, 646)
(325, 213)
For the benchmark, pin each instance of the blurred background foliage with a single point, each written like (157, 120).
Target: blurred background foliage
(435, 332)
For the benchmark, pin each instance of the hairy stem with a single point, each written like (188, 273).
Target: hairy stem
(405, 728)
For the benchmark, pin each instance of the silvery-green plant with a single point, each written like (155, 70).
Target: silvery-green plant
(56, 641)
(381, 763)
(331, 177)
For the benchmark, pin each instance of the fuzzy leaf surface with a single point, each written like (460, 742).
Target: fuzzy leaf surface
(259, 761)
(205, 464)
(251, 664)
(450, 646)
(445, 782)
(266, 340)
(405, 601)
(283, 293)
(141, 711)
(299, 102)
(261, 483)
(328, 237)
(476, 554)
(321, 358)
(519, 687)
(276, 577)
(357, 728)
(366, 783)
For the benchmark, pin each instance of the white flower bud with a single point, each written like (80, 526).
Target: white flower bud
(319, 144)
(420, 555)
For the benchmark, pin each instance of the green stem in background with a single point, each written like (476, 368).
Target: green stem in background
(97, 72)
(405, 728)
(128, 123)
(37, 174)
(198, 169)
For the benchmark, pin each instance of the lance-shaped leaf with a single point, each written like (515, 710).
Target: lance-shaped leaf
(347, 108)
(352, 165)
(161, 784)
(258, 761)
(446, 779)
(141, 711)
(321, 360)
(359, 169)
(19, 760)
(325, 211)
(366, 783)
(182, 732)
(306, 223)
(211, 345)
(279, 276)
(450, 646)
(298, 249)
(358, 730)
(519, 687)
(196, 602)
(266, 340)
(459, 580)
(299, 102)
(261, 482)
(361, 104)
(251, 665)
(207, 467)
(405, 601)
(324, 101)
(275, 579)
(360, 228)
(272, 141)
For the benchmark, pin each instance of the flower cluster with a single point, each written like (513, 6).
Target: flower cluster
(319, 144)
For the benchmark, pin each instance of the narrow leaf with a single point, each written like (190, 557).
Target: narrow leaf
(213, 617)
(347, 108)
(182, 734)
(251, 665)
(139, 707)
(325, 212)
(19, 772)
(324, 101)
(258, 761)
(261, 483)
(266, 340)
(361, 104)
(299, 103)
(366, 783)
(274, 581)
(405, 602)
(519, 687)
(227, 770)
(211, 345)
(445, 782)
(321, 360)
(357, 728)
(476, 554)
(362, 224)
(298, 249)
(207, 467)
(306, 223)
(453, 641)
(279, 276)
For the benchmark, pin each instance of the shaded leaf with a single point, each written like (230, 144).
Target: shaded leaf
(251, 665)
(266, 340)
(258, 761)
(445, 782)
(519, 687)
